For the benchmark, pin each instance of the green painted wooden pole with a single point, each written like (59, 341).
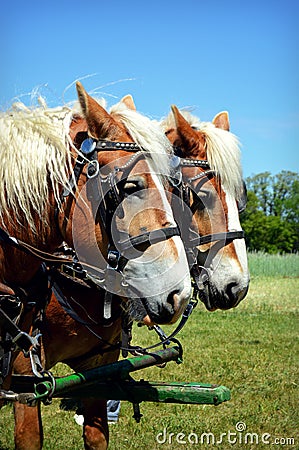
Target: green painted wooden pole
(148, 391)
(119, 370)
(113, 382)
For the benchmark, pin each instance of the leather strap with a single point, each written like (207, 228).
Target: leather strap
(225, 237)
(149, 237)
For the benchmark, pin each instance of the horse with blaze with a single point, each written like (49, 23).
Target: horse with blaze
(211, 172)
(46, 203)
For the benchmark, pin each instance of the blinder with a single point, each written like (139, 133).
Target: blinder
(242, 201)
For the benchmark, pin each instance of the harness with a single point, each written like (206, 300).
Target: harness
(116, 258)
(111, 199)
(14, 308)
(12, 336)
(182, 187)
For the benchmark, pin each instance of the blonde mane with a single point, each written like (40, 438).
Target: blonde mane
(35, 156)
(223, 151)
(34, 147)
(147, 134)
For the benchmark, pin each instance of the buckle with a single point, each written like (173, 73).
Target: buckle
(24, 341)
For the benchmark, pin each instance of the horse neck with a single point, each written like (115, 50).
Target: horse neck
(18, 267)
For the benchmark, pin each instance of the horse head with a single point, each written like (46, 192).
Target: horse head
(215, 193)
(121, 222)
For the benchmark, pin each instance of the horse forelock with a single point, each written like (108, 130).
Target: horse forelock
(222, 148)
(148, 135)
(35, 160)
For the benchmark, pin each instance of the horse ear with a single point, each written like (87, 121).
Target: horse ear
(98, 119)
(188, 135)
(129, 102)
(221, 120)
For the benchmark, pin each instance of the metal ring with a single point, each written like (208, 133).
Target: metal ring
(93, 169)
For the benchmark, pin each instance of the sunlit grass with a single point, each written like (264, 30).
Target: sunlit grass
(252, 349)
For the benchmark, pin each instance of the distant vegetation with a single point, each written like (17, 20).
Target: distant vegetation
(269, 265)
(271, 219)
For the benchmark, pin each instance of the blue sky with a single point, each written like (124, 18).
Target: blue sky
(213, 56)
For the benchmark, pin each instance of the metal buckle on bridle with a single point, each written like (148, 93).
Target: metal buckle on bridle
(93, 169)
(176, 175)
(113, 258)
(189, 308)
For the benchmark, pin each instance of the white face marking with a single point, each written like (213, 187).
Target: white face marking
(234, 224)
(165, 203)
(169, 214)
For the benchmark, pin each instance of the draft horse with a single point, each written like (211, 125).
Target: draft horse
(209, 181)
(58, 195)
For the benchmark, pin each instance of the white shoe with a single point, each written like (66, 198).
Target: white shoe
(79, 419)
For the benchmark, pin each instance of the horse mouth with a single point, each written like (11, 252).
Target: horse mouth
(205, 298)
(213, 299)
(152, 312)
(159, 313)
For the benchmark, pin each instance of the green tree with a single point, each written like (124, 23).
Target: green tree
(260, 185)
(271, 220)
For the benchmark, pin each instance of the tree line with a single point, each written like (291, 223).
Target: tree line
(271, 219)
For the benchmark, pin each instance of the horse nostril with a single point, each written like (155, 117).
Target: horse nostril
(172, 301)
(232, 291)
(235, 293)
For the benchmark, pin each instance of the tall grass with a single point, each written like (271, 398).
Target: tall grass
(269, 265)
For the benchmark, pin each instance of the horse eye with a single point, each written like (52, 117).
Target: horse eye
(129, 187)
(207, 197)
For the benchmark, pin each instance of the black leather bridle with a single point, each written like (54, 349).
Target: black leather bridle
(111, 196)
(88, 156)
(182, 187)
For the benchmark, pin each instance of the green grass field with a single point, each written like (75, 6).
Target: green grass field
(252, 349)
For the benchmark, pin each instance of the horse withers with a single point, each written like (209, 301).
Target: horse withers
(116, 215)
(215, 194)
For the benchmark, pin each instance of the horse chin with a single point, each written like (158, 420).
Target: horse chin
(138, 312)
(151, 311)
(213, 299)
(205, 297)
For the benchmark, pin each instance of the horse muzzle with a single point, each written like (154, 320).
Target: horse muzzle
(230, 298)
(158, 310)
